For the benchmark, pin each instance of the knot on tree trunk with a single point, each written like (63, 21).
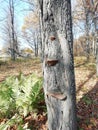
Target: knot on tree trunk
(52, 38)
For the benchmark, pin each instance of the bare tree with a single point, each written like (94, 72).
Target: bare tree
(87, 27)
(30, 31)
(32, 39)
(82, 21)
(9, 28)
(12, 22)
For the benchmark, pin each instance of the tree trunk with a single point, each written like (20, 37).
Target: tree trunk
(97, 58)
(95, 21)
(13, 54)
(87, 27)
(58, 69)
(87, 33)
(96, 36)
(96, 44)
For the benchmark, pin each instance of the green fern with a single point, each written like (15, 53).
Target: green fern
(20, 95)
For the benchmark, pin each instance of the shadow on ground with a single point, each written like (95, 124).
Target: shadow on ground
(87, 110)
(83, 83)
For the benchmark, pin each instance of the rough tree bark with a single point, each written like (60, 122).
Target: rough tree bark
(58, 65)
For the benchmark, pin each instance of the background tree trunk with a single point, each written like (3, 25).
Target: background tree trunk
(87, 28)
(13, 49)
(97, 58)
(59, 83)
(95, 21)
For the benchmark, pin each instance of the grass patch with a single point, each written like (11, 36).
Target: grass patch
(90, 66)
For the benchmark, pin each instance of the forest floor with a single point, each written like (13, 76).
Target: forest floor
(25, 66)
(86, 90)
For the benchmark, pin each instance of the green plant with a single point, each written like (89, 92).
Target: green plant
(20, 95)
(28, 93)
(87, 100)
(7, 102)
(81, 129)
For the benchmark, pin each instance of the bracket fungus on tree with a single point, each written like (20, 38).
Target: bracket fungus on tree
(51, 62)
(57, 95)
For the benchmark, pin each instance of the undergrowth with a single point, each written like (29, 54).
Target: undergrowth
(18, 97)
